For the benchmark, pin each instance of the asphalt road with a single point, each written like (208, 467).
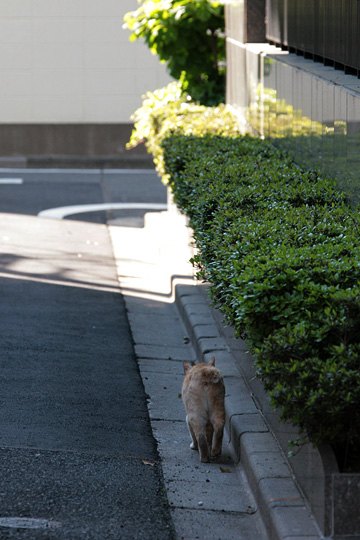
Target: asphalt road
(77, 456)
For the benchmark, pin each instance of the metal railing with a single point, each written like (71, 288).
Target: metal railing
(325, 30)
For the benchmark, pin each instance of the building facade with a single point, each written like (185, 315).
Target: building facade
(70, 78)
(300, 86)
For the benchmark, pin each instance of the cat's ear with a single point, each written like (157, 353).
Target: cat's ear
(187, 366)
(212, 361)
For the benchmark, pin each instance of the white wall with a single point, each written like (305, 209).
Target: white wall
(70, 61)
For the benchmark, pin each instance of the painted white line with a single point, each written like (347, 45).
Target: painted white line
(24, 170)
(129, 171)
(64, 211)
(28, 523)
(11, 181)
(76, 171)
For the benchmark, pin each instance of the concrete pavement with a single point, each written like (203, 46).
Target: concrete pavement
(78, 460)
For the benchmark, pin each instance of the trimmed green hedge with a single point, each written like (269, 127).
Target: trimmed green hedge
(280, 246)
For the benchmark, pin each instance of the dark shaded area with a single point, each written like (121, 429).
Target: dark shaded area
(66, 487)
(70, 389)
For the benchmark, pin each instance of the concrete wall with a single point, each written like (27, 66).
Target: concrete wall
(66, 63)
(70, 61)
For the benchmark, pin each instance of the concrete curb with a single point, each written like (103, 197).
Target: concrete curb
(281, 503)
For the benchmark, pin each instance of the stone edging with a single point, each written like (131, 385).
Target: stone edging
(282, 505)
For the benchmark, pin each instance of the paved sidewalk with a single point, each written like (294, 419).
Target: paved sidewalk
(250, 494)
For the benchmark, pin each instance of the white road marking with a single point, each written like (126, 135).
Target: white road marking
(28, 523)
(11, 181)
(129, 171)
(4, 170)
(64, 211)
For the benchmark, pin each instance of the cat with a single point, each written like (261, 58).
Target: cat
(203, 395)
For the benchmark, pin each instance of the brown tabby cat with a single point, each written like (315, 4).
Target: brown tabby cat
(203, 394)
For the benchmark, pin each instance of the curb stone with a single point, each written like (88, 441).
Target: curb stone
(282, 505)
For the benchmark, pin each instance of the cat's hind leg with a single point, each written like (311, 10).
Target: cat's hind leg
(203, 447)
(193, 444)
(209, 433)
(217, 438)
(199, 438)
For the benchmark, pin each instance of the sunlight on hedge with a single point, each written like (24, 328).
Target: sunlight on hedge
(169, 111)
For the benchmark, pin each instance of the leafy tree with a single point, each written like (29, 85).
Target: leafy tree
(188, 35)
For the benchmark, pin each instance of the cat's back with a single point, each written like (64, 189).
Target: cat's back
(203, 375)
(203, 390)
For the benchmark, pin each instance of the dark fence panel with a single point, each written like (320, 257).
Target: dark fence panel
(335, 31)
(290, 12)
(275, 21)
(303, 20)
(352, 48)
(318, 47)
(326, 30)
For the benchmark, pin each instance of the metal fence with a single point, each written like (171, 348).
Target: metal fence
(325, 30)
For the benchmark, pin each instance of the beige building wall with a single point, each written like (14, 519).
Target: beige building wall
(71, 62)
